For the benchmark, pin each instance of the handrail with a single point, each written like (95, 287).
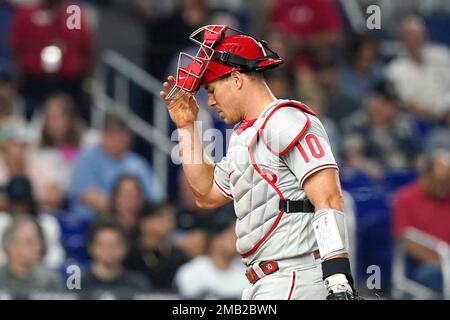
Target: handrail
(157, 133)
(133, 72)
(442, 250)
(354, 14)
(139, 126)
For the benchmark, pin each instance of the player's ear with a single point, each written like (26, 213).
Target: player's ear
(237, 79)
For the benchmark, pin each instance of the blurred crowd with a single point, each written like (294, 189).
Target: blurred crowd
(75, 194)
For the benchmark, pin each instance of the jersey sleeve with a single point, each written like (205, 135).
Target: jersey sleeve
(310, 154)
(221, 178)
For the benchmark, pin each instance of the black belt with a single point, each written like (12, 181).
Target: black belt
(289, 206)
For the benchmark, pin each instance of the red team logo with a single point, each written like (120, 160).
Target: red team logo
(270, 175)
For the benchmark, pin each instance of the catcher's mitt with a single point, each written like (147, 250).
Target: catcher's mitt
(344, 295)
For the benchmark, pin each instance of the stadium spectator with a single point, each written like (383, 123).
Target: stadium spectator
(421, 72)
(337, 102)
(18, 159)
(380, 136)
(314, 26)
(222, 273)
(282, 82)
(192, 221)
(126, 200)
(61, 135)
(167, 36)
(425, 205)
(51, 56)
(96, 169)
(62, 129)
(155, 254)
(363, 69)
(20, 201)
(107, 277)
(23, 275)
(189, 215)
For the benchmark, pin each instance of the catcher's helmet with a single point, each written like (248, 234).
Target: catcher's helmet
(218, 56)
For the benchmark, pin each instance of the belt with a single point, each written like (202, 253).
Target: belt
(288, 206)
(265, 268)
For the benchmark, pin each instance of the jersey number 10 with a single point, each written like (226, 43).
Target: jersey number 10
(314, 146)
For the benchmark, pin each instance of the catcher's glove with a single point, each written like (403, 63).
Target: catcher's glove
(344, 295)
(339, 288)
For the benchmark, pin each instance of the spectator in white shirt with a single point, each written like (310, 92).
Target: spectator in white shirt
(421, 72)
(217, 275)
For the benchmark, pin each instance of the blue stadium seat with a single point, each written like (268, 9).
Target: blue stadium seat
(353, 179)
(373, 207)
(437, 26)
(395, 179)
(73, 238)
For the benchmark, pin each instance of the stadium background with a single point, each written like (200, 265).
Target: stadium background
(57, 84)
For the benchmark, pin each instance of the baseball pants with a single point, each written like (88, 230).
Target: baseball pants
(296, 279)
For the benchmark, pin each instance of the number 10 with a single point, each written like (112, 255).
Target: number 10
(314, 147)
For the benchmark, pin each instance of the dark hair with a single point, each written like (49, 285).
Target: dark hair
(385, 89)
(147, 209)
(355, 45)
(20, 190)
(117, 184)
(101, 224)
(255, 75)
(74, 131)
(221, 219)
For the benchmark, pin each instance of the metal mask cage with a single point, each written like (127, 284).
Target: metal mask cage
(190, 74)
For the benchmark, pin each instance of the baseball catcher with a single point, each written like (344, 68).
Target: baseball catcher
(279, 169)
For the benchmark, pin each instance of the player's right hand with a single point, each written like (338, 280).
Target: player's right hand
(183, 110)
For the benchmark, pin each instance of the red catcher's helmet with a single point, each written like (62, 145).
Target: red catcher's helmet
(220, 55)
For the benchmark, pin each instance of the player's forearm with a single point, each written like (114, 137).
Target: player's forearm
(198, 168)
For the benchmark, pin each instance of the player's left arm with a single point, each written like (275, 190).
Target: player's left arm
(303, 145)
(323, 190)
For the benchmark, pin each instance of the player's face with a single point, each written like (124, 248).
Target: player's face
(222, 99)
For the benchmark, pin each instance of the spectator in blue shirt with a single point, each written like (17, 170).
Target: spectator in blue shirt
(96, 169)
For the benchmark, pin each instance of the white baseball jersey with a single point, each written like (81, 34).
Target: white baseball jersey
(269, 159)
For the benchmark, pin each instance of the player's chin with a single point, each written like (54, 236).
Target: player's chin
(227, 120)
(222, 116)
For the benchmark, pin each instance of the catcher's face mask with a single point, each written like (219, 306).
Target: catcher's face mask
(218, 56)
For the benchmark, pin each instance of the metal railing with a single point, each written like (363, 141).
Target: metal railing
(155, 133)
(401, 284)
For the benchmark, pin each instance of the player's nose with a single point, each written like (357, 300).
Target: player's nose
(211, 101)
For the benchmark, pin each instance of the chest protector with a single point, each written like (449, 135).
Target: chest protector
(259, 178)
